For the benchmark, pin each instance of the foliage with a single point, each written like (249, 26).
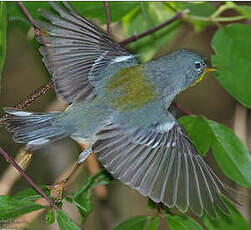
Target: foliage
(230, 153)
(12, 208)
(135, 223)
(180, 222)
(232, 46)
(82, 198)
(235, 221)
(64, 222)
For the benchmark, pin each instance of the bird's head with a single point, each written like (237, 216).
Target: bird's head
(191, 67)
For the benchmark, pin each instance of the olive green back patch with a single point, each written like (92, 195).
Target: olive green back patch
(131, 89)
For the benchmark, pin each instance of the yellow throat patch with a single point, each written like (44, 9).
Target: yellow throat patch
(132, 89)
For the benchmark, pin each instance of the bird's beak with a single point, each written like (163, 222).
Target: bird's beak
(209, 70)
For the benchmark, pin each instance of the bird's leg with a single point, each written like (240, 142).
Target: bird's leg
(84, 154)
(58, 188)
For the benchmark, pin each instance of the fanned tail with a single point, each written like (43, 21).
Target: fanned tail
(34, 129)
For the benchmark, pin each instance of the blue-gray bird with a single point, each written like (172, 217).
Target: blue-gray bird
(120, 109)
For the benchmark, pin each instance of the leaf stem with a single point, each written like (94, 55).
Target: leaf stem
(226, 6)
(215, 18)
(229, 19)
(218, 19)
(27, 178)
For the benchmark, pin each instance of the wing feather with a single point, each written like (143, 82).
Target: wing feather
(162, 165)
(75, 52)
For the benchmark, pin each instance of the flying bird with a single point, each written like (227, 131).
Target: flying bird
(120, 109)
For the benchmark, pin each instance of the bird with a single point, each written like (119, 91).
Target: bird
(119, 108)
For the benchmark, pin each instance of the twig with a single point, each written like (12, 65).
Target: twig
(183, 110)
(30, 18)
(11, 175)
(134, 38)
(35, 95)
(31, 98)
(27, 13)
(108, 16)
(26, 177)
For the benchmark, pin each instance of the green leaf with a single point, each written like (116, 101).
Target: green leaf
(82, 198)
(31, 194)
(145, 17)
(11, 208)
(232, 45)
(230, 153)
(3, 30)
(135, 223)
(50, 216)
(84, 205)
(101, 177)
(199, 131)
(65, 222)
(222, 221)
(153, 223)
(180, 222)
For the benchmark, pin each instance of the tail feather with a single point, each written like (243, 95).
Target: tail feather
(34, 129)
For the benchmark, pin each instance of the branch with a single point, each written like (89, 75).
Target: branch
(134, 38)
(30, 18)
(11, 175)
(26, 177)
(31, 98)
(183, 110)
(108, 16)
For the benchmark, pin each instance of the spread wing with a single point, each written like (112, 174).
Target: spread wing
(75, 52)
(161, 163)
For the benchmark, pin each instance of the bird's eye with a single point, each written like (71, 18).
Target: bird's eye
(197, 65)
